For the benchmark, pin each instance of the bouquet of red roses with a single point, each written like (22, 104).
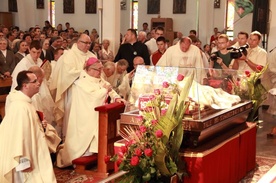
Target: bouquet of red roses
(152, 148)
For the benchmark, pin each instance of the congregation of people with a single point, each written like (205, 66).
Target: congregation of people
(64, 74)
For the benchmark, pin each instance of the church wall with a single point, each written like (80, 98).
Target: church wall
(79, 20)
(200, 15)
(4, 6)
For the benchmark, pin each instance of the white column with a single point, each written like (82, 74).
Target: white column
(110, 23)
(26, 14)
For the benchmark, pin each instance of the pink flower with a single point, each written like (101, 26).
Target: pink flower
(151, 97)
(123, 149)
(180, 77)
(247, 73)
(148, 152)
(107, 159)
(134, 161)
(143, 129)
(138, 152)
(259, 67)
(154, 121)
(140, 118)
(159, 133)
(130, 142)
(163, 112)
(165, 84)
(157, 92)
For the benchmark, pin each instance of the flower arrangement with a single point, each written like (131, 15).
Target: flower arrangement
(249, 87)
(152, 149)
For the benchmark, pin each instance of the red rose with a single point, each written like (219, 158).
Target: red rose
(154, 121)
(143, 129)
(138, 152)
(180, 77)
(157, 92)
(123, 149)
(159, 133)
(129, 143)
(163, 112)
(165, 84)
(119, 161)
(259, 67)
(148, 152)
(151, 97)
(247, 73)
(107, 159)
(134, 161)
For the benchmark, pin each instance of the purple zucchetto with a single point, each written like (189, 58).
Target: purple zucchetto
(91, 61)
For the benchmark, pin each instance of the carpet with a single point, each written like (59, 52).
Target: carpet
(263, 165)
(68, 175)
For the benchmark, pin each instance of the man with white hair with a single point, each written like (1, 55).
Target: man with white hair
(108, 70)
(67, 70)
(120, 71)
(124, 88)
(142, 36)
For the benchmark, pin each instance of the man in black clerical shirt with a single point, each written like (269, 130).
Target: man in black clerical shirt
(131, 49)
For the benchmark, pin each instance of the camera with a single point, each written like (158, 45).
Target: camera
(236, 53)
(214, 56)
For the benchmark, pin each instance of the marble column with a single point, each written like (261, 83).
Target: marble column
(109, 22)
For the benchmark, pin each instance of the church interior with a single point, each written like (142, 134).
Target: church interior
(220, 139)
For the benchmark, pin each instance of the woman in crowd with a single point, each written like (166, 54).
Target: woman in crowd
(21, 53)
(105, 53)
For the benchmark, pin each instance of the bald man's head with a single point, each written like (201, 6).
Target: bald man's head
(138, 61)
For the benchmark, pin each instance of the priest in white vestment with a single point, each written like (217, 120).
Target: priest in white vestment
(43, 102)
(184, 55)
(117, 77)
(88, 92)
(66, 71)
(30, 60)
(24, 154)
(125, 85)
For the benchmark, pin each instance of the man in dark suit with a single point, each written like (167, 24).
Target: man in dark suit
(44, 54)
(131, 49)
(55, 43)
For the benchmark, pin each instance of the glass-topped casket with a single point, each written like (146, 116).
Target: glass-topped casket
(214, 103)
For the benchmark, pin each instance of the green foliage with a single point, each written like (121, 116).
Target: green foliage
(165, 148)
(251, 88)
